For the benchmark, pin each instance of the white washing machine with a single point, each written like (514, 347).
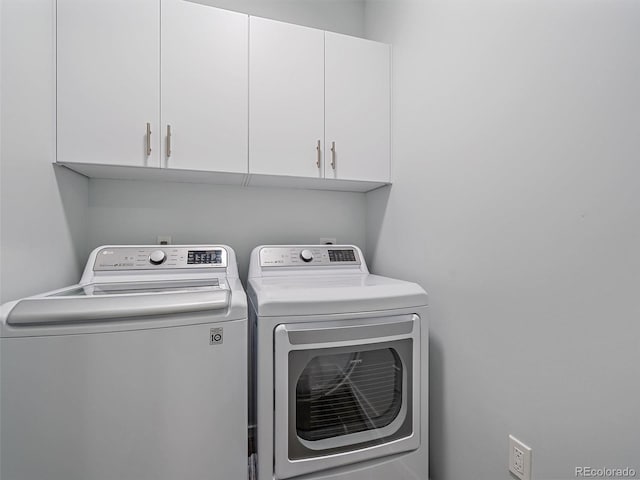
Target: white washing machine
(138, 372)
(340, 367)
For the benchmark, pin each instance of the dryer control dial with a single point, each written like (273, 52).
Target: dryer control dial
(157, 257)
(306, 255)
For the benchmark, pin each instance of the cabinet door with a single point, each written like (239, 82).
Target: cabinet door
(108, 67)
(204, 87)
(286, 99)
(357, 108)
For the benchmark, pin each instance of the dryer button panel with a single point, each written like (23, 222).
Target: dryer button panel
(311, 256)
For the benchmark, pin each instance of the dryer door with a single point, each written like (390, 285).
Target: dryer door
(346, 391)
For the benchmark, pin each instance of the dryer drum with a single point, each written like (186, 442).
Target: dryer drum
(341, 394)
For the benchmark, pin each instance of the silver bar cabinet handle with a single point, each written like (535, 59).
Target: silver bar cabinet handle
(333, 155)
(168, 141)
(148, 139)
(319, 154)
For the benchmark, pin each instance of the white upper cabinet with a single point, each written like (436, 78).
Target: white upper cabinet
(286, 99)
(357, 109)
(209, 95)
(319, 104)
(204, 86)
(108, 60)
(111, 85)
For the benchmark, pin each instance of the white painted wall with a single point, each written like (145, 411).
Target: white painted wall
(516, 204)
(123, 211)
(343, 16)
(42, 208)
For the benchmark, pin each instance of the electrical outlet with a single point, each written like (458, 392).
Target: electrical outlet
(328, 241)
(163, 240)
(519, 459)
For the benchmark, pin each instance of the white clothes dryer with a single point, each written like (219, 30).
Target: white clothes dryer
(137, 372)
(340, 367)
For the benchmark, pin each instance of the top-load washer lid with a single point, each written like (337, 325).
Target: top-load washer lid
(329, 294)
(115, 301)
(121, 288)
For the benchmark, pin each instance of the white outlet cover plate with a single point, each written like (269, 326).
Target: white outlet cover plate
(514, 444)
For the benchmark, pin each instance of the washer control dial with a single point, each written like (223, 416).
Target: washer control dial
(306, 255)
(157, 257)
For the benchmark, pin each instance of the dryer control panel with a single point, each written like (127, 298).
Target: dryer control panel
(160, 257)
(313, 256)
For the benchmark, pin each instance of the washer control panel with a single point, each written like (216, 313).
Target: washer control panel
(159, 257)
(320, 255)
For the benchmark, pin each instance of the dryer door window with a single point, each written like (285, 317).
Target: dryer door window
(346, 393)
(349, 397)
